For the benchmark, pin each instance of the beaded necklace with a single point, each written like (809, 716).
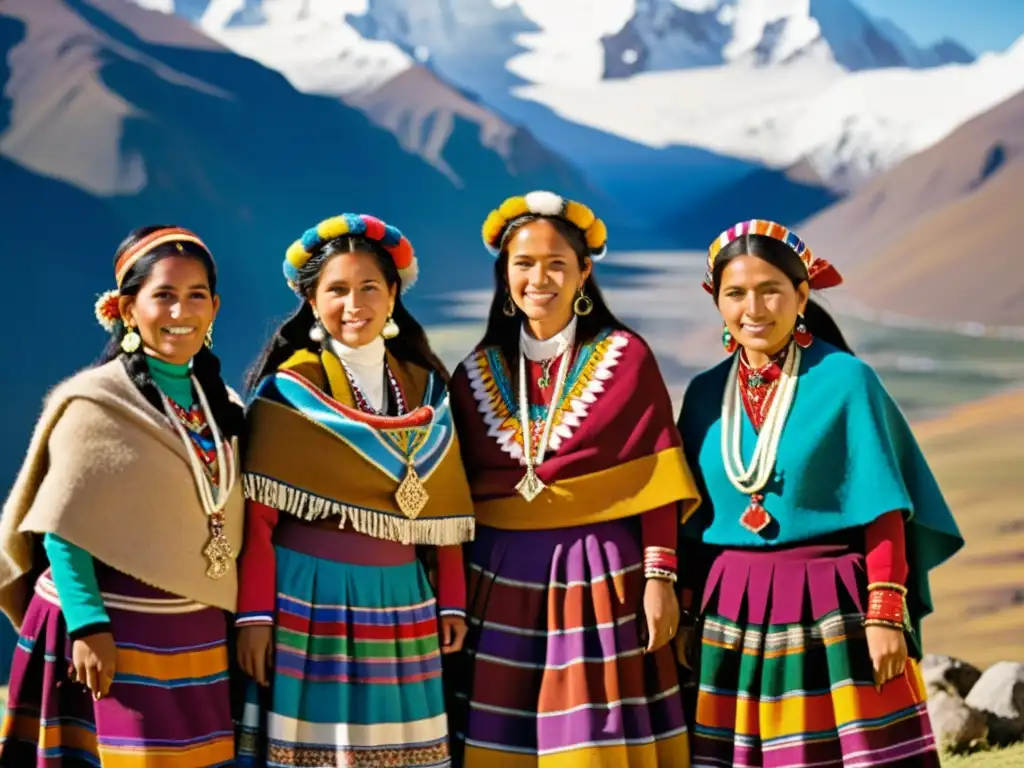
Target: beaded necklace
(363, 402)
(752, 480)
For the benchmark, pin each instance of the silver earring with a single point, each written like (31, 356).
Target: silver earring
(390, 329)
(316, 333)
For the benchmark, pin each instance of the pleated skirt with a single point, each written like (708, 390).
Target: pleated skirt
(786, 678)
(357, 668)
(555, 672)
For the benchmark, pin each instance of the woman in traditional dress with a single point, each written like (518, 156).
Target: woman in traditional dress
(352, 461)
(571, 596)
(824, 521)
(130, 484)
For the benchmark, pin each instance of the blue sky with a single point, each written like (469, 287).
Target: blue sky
(980, 25)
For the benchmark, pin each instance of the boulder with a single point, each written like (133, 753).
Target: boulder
(999, 693)
(958, 727)
(945, 673)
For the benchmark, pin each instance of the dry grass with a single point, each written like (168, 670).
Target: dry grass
(977, 452)
(1012, 757)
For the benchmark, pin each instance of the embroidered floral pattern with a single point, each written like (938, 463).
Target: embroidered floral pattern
(494, 392)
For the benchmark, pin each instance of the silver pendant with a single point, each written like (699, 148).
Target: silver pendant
(530, 486)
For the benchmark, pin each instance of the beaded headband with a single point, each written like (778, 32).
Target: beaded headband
(107, 308)
(359, 224)
(820, 274)
(497, 224)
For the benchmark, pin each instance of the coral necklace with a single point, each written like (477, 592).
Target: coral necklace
(751, 480)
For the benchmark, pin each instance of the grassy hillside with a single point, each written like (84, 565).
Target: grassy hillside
(976, 451)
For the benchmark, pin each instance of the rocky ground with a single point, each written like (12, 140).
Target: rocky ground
(975, 711)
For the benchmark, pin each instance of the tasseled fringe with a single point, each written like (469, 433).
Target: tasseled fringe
(435, 531)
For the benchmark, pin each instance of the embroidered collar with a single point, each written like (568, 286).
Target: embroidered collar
(494, 393)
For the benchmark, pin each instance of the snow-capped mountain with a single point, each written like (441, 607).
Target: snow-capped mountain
(814, 85)
(578, 41)
(639, 93)
(319, 52)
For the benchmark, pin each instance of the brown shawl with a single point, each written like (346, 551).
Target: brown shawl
(106, 471)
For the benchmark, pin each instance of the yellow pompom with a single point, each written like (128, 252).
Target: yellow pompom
(579, 214)
(597, 235)
(336, 226)
(492, 227)
(296, 255)
(513, 208)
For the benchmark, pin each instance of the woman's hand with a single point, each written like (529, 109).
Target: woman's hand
(94, 662)
(256, 651)
(662, 611)
(453, 633)
(888, 649)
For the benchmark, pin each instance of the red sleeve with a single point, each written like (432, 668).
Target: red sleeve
(885, 545)
(451, 581)
(660, 527)
(257, 570)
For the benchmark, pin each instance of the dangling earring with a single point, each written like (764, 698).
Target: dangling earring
(131, 340)
(801, 335)
(316, 332)
(509, 307)
(390, 329)
(728, 341)
(208, 341)
(583, 305)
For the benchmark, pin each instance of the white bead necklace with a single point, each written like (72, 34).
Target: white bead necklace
(218, 551)
(531, 486)
(752, 480)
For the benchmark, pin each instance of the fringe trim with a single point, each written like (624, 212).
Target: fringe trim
(436, 531)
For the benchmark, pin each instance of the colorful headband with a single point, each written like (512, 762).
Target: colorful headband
(107, 308)
(820, 274)
(498, 221)
(362, 225)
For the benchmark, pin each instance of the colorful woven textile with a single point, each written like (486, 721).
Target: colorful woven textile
(169, 704)
(785, 674)
(555, 674)
(357, 672)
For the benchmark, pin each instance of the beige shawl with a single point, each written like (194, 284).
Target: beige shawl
(106, 471)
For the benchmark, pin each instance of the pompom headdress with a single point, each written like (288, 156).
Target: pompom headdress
(820, 274)
(498, 221)
(108, 311)
(363, 225)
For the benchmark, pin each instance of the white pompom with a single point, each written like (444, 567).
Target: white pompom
(545, 203)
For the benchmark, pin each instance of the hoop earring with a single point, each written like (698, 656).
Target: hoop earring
(583, 305)
(801, 335)
(729, 341)
(390, 329)
(208, 341)
(131, 341)
(509, 307)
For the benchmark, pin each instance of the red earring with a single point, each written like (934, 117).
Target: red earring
(730, 343)
(801, 335)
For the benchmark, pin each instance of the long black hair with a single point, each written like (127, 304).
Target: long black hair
(503, 331)
(205, 365)
(409, 346)
(818, 321)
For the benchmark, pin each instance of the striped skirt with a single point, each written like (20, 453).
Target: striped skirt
(169, 705)
(357, 669)
(785, 674)
(555, 673)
